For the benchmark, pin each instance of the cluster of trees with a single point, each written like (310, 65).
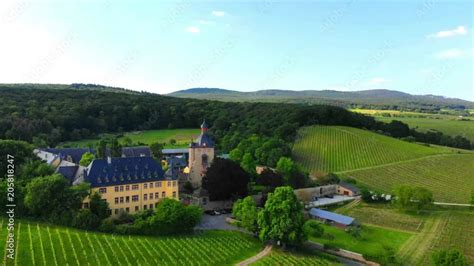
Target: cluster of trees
(39, 192)
(260, 150)
(408, 197)
(227, 180)
(54, 115)
(169, 217)
(280, 221)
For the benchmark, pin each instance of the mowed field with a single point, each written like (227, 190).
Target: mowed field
(373, 243)
(448, 127)
(448, 124)
(383, 216)
(39, 244)
(434, 230)
(450, 177)
(324, 149)
(278, 257)
(182, 137)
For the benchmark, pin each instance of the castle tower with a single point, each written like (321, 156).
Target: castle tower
(201, 154)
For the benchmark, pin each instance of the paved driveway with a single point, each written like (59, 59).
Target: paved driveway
(216, 222)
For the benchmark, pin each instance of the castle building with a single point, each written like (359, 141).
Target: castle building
(130, 184)
(201, 154)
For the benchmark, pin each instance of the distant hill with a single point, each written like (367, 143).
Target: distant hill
(73, 86)
(374, 99)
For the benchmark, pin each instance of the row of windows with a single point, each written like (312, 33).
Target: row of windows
(137, 208)
(103, 190)
(135, 198)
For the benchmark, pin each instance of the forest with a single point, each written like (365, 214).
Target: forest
(46, 115)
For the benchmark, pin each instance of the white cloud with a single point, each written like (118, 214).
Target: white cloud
(218, 13)
(377, 81)
(460, 30)
(193, 30)
(206, 22)
(452, 53)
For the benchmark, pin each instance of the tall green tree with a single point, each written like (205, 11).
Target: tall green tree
(245, 210)
(313, 228)
(236, 155)
(225, 180)
(86, 159)
(172, 216)
(286, 167)
(101, 149)
(51, 197)
(20, 150)
(99, 206)
(115, 148)
(404, 195)
(281, 220)
(248, 164)
(422, 198)
(156, 150)
(408, 197)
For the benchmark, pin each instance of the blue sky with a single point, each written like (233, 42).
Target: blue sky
(419, 47)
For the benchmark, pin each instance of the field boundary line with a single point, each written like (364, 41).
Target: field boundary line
(400, 162)
(257, 257)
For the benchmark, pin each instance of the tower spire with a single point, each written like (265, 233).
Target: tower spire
(204, 126)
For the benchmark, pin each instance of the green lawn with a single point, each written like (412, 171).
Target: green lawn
(384, 215)
(373, 243)
(449, 127)
(40, 244)
(449, 177)
(448, 124)
(279, 257)
(323, 149)
(182, 137)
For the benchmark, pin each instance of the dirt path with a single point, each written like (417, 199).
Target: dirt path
(416, 249)
(253, 259)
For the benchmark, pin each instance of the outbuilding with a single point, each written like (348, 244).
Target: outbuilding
(347, 189)
(332, 218)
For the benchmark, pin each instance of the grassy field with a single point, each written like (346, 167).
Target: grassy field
(322, 149)
(278, 257)
(448, 127)
(182, 137)
(374, 241)
(39, 244)
(436, 229)
(447, 124)
(449, 177)
(384, 216)
(397, 114)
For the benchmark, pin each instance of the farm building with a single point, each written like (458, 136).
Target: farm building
(347, 189)
(332, 218)
(309, 194)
